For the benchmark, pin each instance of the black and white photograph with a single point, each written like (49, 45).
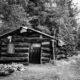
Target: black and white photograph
(39, 39)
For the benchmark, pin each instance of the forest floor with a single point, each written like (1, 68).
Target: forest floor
(61, 70)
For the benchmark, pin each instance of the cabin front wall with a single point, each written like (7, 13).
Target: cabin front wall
(25, 50)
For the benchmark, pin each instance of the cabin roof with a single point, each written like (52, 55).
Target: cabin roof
(8, 31)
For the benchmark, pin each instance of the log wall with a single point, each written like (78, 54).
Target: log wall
(21, 50)
(45, 52)
(20, 55)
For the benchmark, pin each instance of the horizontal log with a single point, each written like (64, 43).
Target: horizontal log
(3, 48)
(31, 38)
(45, 43)
(21, 48)
(43, 62)
(19, 40)
(46, 46)
(45, 55)
(16, 49)
(21, 43)
(14, 58)
(18, 44)
(16, 61)
(4, 45)
(45, 59)
(14, 55)
(47, 49)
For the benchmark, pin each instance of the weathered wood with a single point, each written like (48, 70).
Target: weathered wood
(45, 52)
(17, 61)
(45, 43)
(43, 62)
(47, 49)
(46, 46)
(21, 44)
(21, 48)
(13, 58)
(14, 55)
(54, 56)
(45, 59)
(49, 36)
(3, 48)
(10, 48)
(45, 55)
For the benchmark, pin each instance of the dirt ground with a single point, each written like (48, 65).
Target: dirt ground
(62, 70)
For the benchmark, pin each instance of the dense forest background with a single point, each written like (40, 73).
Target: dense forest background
(53, 17)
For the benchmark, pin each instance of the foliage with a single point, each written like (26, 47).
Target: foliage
(49, 16)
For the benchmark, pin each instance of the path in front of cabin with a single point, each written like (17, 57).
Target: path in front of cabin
(62, 70)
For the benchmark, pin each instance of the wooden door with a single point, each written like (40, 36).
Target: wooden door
(35, 53)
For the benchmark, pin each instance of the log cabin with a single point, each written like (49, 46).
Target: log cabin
(25, 46)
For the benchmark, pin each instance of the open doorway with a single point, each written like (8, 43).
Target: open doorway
(35, 53)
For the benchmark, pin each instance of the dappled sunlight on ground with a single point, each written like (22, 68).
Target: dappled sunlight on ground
(62, 70)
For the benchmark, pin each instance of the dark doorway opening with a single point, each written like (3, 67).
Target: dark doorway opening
(35, 53)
